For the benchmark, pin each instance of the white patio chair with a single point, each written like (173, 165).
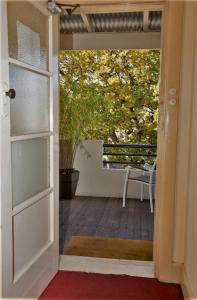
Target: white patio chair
(147, 177)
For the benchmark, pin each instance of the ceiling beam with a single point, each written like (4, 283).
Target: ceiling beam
(145, 21)
(87, 22)
(117, 7)
(113, 2)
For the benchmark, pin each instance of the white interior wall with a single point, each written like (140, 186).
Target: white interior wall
(185, 250)
(96, 181)
(190, 262)
(184, 124)
(105, 41)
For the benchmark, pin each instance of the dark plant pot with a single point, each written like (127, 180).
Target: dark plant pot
(68, 183)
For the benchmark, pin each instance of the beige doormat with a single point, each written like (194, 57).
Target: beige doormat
(110, 248)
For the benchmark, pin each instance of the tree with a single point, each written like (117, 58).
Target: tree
(122, 89)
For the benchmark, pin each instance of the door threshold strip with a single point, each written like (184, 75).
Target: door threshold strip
(107, 266)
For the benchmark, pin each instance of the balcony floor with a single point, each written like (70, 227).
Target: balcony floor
(105, 217)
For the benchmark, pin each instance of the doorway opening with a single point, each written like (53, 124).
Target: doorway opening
(117, 91)
(120, 91)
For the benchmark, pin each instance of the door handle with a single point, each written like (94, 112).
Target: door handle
(11, 93)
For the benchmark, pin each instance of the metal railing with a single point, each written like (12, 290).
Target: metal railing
(121, 155)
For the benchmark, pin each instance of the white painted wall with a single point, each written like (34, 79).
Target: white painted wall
(185, 250)
(106, 41)
(184, 136)
(96, 181)
(190, 260)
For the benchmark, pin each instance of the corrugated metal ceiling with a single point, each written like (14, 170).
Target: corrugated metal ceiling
(112, 22)
(155, 19)
(72, 24)
(117, 22)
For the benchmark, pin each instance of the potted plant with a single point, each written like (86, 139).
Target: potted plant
(77, 118)
(68, 175)
(69, 141)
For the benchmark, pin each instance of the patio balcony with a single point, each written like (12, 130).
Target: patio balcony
(102, 174)
(97, 209)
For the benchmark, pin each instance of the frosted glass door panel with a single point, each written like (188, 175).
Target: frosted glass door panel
(27, 34)
(29, 111)
(31, 233)
(30, 168)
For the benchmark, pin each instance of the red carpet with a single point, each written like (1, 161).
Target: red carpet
(85, 286)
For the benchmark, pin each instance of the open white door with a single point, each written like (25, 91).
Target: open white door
(29, 147)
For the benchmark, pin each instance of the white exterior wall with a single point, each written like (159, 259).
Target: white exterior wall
(94, 180)
(105, 41)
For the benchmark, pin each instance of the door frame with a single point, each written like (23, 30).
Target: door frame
(171, 52)
(172, 31)
(38, 284)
